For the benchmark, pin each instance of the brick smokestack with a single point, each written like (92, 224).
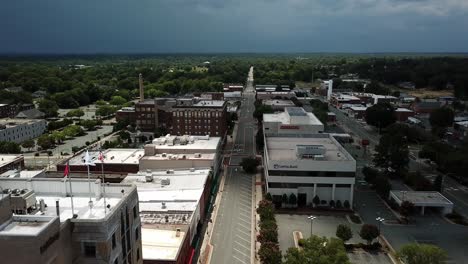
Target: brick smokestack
(142, 91)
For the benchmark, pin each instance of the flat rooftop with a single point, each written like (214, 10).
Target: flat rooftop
(200, 156)
(52, 190)
(285, 148)
(111, 156)
(180, 190)
(273, 102)
(358, 108)
(186, 142)
(6, 159)
(22, 174)
(345, 97)
(25, 225)
(160, 244)
(421, 198)
(403, 110)
(210, 103)
(12, 122)
(291, 115)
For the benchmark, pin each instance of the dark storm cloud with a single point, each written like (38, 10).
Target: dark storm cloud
(89, 26)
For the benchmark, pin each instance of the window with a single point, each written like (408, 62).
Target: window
(135, 211)
(113, 241)
(137, 234)
(89, 249)
(138, 254)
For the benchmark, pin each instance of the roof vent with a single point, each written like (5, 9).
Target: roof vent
(165, 181)
(163, 205)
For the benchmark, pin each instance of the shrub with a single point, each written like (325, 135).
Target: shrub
(338, 204)
(301, 242)
(332, 203)
(344, 232)
(346, 204)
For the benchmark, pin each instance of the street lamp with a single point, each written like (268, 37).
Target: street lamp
(311, 218)
(380, 221)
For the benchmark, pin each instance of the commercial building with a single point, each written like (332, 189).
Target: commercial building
(233, 87)
(402, 114)
(277, 104)
(11, 162)
(183, 152)
(173, 206)
(40, 222)
(116, 161)
(425, 106)
(379, 99)
(19, 130)
(233, 96)
(7, 110)
(126, 114)
(309, 166)
(358, 112)
(293, 121)
(423, 200)
(19, 173)
(341, 99)
(183, 116)
(265, 87)
(275, 95)
(209, 96)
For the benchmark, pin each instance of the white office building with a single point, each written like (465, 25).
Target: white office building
(309, 166)
(19, 130)
(293, 121)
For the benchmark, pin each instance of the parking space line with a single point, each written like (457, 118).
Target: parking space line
(244, 232)
(245, 215)
(248, 222)
(242, 245)
(243, 239)
(238, 259)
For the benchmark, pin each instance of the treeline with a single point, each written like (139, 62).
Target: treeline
(72, 86)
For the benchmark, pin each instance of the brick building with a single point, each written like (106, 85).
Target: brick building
(127, 114)
(186, 116)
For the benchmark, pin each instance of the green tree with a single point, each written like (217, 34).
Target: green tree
(105, 110)
(392, 152)
(370, 174)
(380, 115)
(58, 137)
(369, 232)
(9, 147)
(249, 165)
(48, 107)
(75, 113)
(440, 119)
(266, 210)
(318, 250)
(382, 186)
(344, 232)
(269, 253)
(117, 100)
(73, 131)
(415, 253)
(29, 144)
(45, 142)
(406, 209)
(284, 199)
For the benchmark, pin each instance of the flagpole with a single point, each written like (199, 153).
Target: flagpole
(71, 191)
(89, 183)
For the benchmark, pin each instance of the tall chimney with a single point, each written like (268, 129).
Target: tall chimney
(142, 92)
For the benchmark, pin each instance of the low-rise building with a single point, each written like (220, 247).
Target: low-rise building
(379, 99)
(277, 104)
(7, 110)
(309, 166)
(233, 87)
(19, 130)
(30, 114)
(422, 200)
(293, 121)
(116, 161)
(425, 106)
(358, 112)
(402, 114)
(275, 95)
(11, 162)
(126, 114)
(173, 205)
(46, 221)
(340, 99)
(183, 152)
(233, 96)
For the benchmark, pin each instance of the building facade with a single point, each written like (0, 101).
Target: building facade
(19, 130)
(293, 121)
(309, 166)
(11, 162)
(100, 225)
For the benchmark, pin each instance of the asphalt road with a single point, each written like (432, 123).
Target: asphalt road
(233, 235)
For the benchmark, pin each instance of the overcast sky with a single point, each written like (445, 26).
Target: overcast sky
(153, 26)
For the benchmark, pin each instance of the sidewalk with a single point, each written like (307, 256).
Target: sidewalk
(258, 197)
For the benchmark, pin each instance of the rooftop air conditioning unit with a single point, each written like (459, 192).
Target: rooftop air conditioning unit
(163, 205)
(170, 172)
(197, 155)
(164, 155)
(192, 169)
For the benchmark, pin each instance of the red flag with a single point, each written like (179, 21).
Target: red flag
(66, 171)
(101, 157)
